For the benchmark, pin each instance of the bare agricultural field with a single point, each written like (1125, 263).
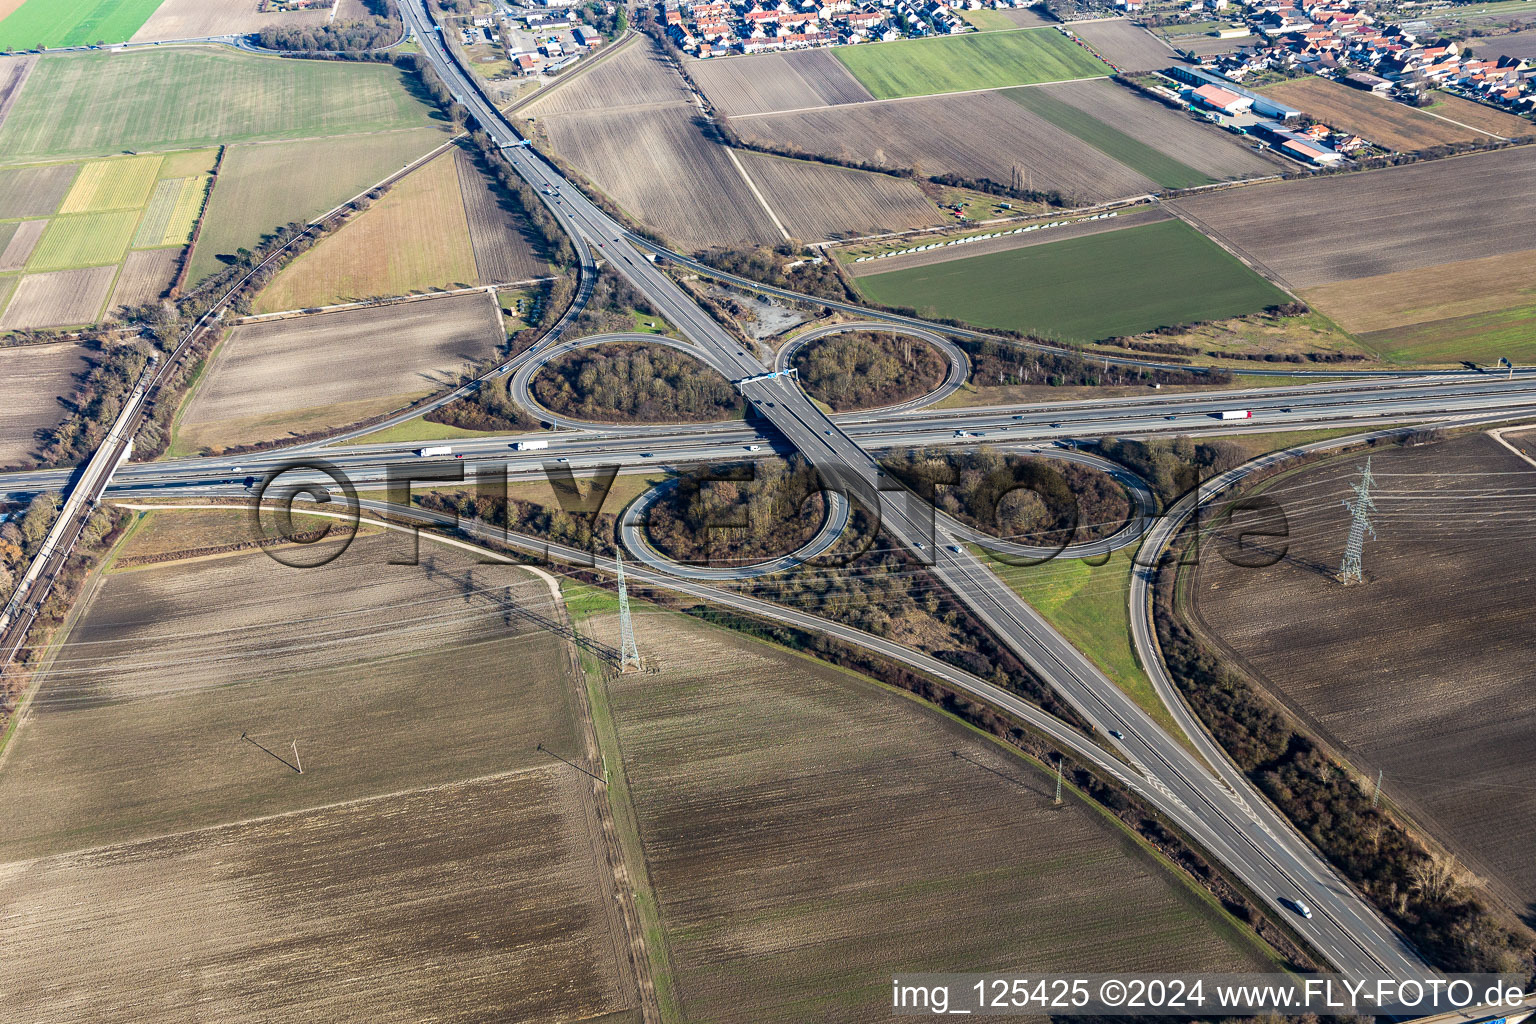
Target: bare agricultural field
(1206, 149)
(1383, 121)
(771, 82)
(427, 846)
(656, 163)
(416, 238)
(639, 76)
(809, 834)
(817, 202)
(194, 19)
(35, 376)
(1126, 46)
(145, 277)
(1448, 714)
(1521, 45)
(157, 665)
(20, 242)
(13, 75)
(1429, 293)
(60, 299)
(34, 191)
(1292, 226)
(1481, 116)
(503, 245)
(467, 902)
(272, 379)
(979, 135)
(1210, 46)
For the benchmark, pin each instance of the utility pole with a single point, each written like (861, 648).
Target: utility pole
(1360, 524)
(629, 651)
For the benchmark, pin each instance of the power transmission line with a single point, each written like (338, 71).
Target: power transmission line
(629, 652)
(1359, 525)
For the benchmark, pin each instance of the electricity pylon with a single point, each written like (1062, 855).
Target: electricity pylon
(1359, 525)
(629, 651)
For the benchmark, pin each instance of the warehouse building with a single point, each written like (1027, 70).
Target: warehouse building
(1264, 106)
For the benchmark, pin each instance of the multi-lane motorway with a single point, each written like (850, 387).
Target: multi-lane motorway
(651, 447)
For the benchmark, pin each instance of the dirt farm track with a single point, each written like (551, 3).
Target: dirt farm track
(1423, 671)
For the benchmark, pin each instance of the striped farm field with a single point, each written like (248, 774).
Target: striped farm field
(416, 238)
(88, 240)
(1166, 170)
(172, 212)
(985, 60)
(112, 185)
(1117, 283)
(94, 105)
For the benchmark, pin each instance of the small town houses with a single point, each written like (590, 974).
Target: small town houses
(714, 28)
(1341, 41)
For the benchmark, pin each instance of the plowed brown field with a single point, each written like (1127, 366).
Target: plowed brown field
(1422, 671)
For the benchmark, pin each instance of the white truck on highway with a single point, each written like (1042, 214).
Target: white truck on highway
(1235, 414)
(441, 449)
(529, 446)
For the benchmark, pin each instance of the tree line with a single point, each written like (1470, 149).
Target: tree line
(1173, 466)
(995, 363)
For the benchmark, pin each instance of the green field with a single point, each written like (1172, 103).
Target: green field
(1118, 283)
(90, 240)
(988, 60)
(262, 187)
(1112, 142)
(988, 20)
(1088, 604)
(112, 185)
(97, 104)
(1479, 337)
(73, 22)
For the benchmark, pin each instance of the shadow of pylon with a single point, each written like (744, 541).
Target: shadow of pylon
(269, 753)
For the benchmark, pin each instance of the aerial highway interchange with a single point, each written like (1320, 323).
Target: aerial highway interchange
(1182, 772)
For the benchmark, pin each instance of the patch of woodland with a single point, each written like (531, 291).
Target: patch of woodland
(1045, 502)
(635, 383)
(737, 514)
(867, 369)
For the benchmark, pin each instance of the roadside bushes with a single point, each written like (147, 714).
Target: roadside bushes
(998, 363)
(767, 266)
